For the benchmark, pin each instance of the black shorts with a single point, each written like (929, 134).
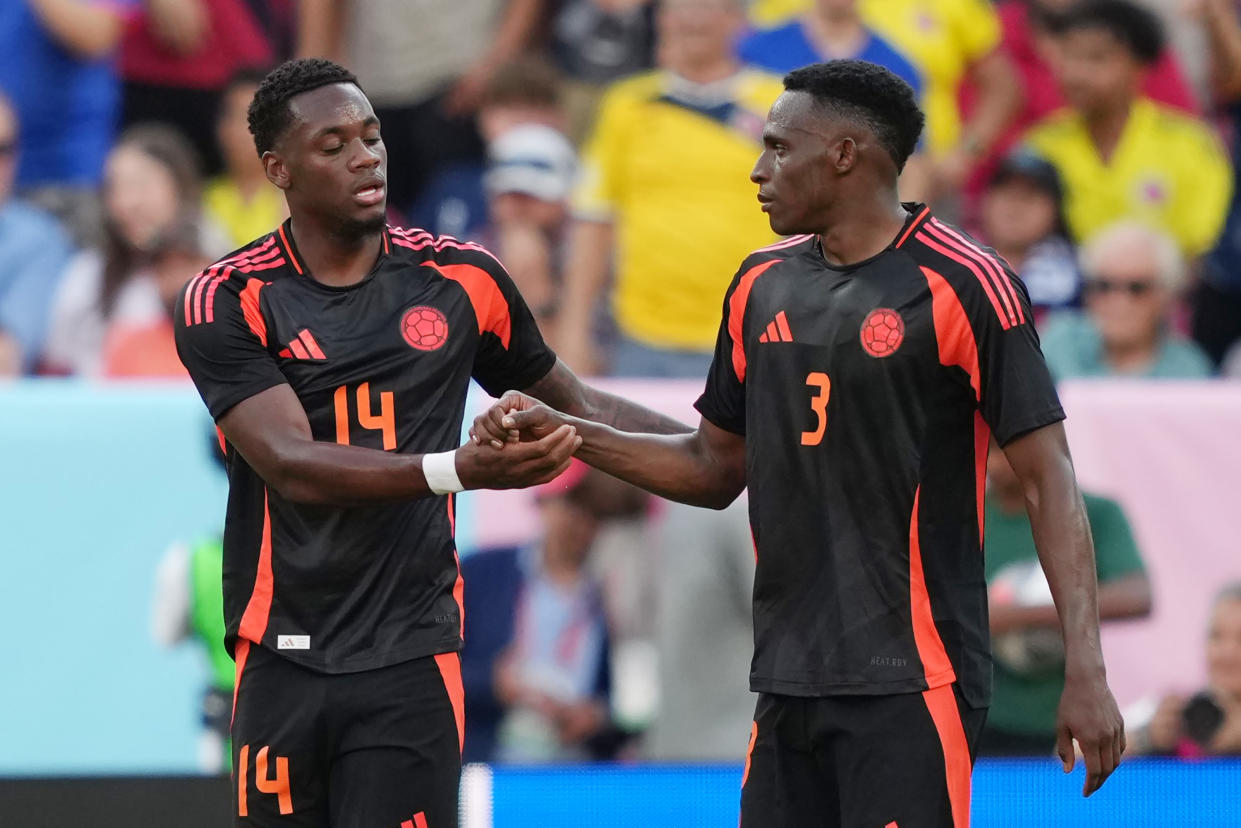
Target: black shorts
(901, 761)
(377, 749)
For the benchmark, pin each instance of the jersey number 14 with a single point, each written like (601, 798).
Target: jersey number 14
(383, 422)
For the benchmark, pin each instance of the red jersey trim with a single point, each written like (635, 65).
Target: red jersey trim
(254, 620)
(736, 313)
(251, 311)
(978, 274)
(935, 663)
(490, 306)
(288, 249)
(953, 333)
(999, 277)
(199, 306)
(791, 241)
(913, 225)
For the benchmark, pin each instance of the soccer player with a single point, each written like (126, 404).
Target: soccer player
(335, 354)
(860, 369)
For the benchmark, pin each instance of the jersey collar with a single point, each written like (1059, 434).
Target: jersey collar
(284, 238)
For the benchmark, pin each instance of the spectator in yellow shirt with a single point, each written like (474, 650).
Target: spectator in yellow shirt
(665, 201)
(1119, 154)
(241, 201)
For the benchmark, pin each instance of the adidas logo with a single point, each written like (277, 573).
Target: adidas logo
(777, 330)
(303, 346)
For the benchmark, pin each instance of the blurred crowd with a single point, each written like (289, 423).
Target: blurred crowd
(602, 149)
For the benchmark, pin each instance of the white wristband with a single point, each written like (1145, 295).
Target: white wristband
(440, 471)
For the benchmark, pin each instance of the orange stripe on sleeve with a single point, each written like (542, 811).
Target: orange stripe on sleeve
(736, 313)
(952, 330)
(240, 653)
(935, 664)
(254, 619)
(982, 443)
(978, 274)
(251, 311)
(450, 669)
(942, 704)
(490, 306)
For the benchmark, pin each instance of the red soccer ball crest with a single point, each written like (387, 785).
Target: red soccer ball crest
(424, 328)
(882, 332)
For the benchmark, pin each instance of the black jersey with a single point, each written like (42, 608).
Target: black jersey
(867, 396)
(384, 364)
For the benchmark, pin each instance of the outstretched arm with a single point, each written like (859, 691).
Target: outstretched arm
(271, 431)
(1088, 712)
(705, 467)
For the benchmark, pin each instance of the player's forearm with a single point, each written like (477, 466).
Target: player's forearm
(328, 474)
(1062, 537)
(674, 466)
(563, 391)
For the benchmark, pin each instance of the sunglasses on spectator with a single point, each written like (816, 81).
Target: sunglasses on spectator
(1136, 290)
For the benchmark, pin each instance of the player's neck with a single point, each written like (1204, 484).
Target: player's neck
(333, 259)
(861, 229)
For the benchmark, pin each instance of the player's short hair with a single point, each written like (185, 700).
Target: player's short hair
(868, 94)
(1136, 27)
(269, 115)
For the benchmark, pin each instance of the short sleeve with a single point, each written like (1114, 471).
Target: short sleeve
(597, 192)
(723, 400)
(511, 353)
(222, 341)
(1017, 393)
(1116, 553)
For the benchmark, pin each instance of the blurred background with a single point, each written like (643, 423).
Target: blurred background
(602, 148)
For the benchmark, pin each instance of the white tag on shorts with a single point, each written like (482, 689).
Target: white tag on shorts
(293, 642)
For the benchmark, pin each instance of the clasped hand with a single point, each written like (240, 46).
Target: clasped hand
(516, 443)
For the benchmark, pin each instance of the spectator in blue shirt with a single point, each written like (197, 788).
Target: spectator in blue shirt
(833, 30)
(59, 71)
(33, 253)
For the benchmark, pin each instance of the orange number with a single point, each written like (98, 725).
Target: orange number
(385, 422)
(278, 785)
(818, 404)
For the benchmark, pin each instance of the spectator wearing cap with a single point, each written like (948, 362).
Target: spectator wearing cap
(1020, 216)
(1119, 154)
(33, 253)
(526, 90)
(529, 178)
(1133, 276)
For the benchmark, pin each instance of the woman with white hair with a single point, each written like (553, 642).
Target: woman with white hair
(1132, 277)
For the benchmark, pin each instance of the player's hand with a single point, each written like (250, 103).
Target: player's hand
(520, 465)
(1088, 713)
(489, 428)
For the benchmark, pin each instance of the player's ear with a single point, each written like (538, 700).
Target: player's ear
(845, 155)
(277, 171)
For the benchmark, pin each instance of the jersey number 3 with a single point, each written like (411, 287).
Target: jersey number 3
(818, 404)
(384, 422)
